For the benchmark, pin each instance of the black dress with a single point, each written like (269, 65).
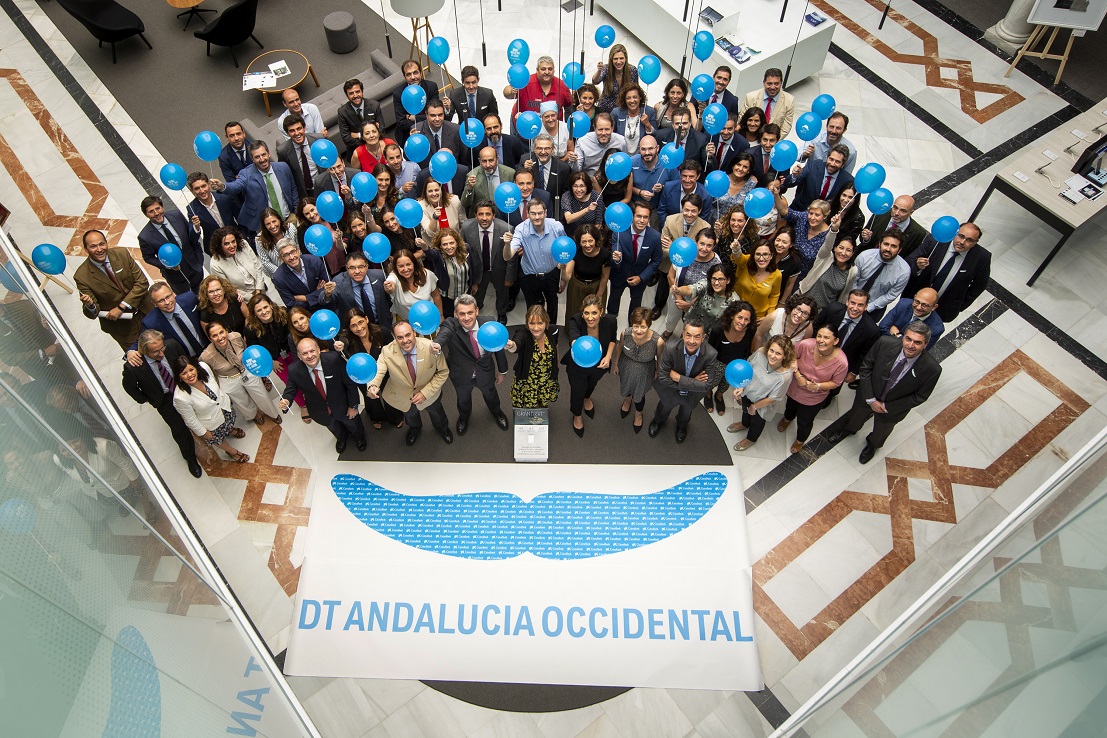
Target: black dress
(582, 380)
(233, 320)
(729, 351)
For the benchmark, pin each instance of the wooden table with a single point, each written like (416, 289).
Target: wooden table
(298, 65)
(191, 10)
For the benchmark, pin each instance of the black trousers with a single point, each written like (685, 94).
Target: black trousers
(541, 289)
(671, 398)
(882, 424)
(582, 383)
(616, 296)
(414, 418)
(754, 422)
(494, 280)
(182, 279)
(806, 415)
(182, 436)
(342, 427)
(485, 381)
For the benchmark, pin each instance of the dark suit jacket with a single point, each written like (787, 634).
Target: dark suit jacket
(558, 181)
(728, 100)
(694, 142)
(608, 330)
(251, 185)
(459, 351)
(965, 286)
(809, 184)
(498, 269)
(342, 299)
(207, 223)
(913, 388)
(861, 338)
(516, 217)
(514, 149)
(457, 184)
(288, 284)
(342, 393)
(672, 357)
(191, 271)
(140, 383)
(91, 280)
(350, 121)
(449, 135)
(912, 237)
(762, 173)
(649, 255)
(287, 153)
(403, 125)
(459, 104)
(156, 320)
(229, 162)
(738, 144)
(672, 195)
(620, 116)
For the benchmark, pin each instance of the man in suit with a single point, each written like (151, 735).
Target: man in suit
(470, 365)
(682, 378)
(722, 95)
(295, 151)
(897, 375)
(510, 149)
(683, 224)
(337, 180)
(637, 255)
(481, 184)
(833, 135)
(675, 193)
(301, 279)
(209, 210)
(592, 146)
(263, 184)
(234, 157)
(762, 166)
(724, 146)
(958, 274)
(551, 175)
(684, 136)
(177, 318)
(413, 75)
(525, 182)
(779, 106)
(897, 220)
(415, 378)
(483, 234)
(171, 227)
(857, 332)
(363, 288)
(151, 381)
(355, 113)
(922, 308)
(313, 119)
(472, 101)
(110, 281)
(441, 133)
(331, 396)
(819, 180)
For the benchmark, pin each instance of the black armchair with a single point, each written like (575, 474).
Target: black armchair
(232, 28)
(106, 20)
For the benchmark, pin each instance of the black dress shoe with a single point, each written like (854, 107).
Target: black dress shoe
(654, 279)
(195, 469)
(590, 411)
(854, 384)
(446, 435)
(656, 314)
(501, 420)
(412, 436)
(681, 434)
(340, 445)
(501, 319)
(510, 305)
(462, 426)
(867, 454)
(655, 428)
(360, 444)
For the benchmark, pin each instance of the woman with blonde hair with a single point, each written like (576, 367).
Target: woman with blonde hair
(220, 303)
(457, 270)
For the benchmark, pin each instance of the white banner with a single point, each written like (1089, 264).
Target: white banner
(608, 575)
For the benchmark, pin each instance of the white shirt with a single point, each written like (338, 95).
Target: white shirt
(313, 121)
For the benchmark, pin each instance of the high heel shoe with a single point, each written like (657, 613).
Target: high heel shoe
(720, 404)
(579, 431)
(590, 411)
(637, 429)
(624, 411)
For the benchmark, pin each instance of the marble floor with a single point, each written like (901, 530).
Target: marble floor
(840, 548)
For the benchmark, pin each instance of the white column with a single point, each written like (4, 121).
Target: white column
(1013, 31)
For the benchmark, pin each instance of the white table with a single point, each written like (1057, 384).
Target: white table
(658, 25)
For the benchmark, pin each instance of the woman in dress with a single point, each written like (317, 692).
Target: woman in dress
(636, 118)
(267, 326)
(811, 228)
(611, 192)
(590, 321)
(220, 303)
(676, 96)
(742, 182)
(335, 258)
(794, 321)
(371, 151)
(788, 259)
(408, 283)
(734, 236)
(732, 338)
(820, 367)
(588, 273)
(364, 337)
(273, 231)
(635, 364)
(400, 238)
(581, 204)
(749, 125)
(833, 275)
(205, 409)
(535, 384)
(386, 199)
(232, 259)
(440, 209)
(709, 296)
(617, 75)
(586, 97)
(772, 374)
(457, 270)
(757, 280)
(249, 394)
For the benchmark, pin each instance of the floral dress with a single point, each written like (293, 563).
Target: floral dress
(539, 388)
(220, 434)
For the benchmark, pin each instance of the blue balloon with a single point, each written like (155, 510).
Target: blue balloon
(424, 317)
(945, 228)
(319, 240)
(683, 251)
(377, 248)
(409, 213)
(617, 167)
(581, 124)
(364, 187)
(879, 201)
(572, 75)
(508, 197)
(703, 87)
(438, 50)
(471, 132)
(48, 258)
(492, 336)
(869, 178)
(11, 280)
(649, 69)
(564, 249)
(717, 183)
(823, 106)
(586, 352)
(618, 216)
(169, 254)
(739, 373)
(324, 153)
(443, 166)
(207, 146)
(414, 99)
(671, 156)
(809, 126)
(714, 118)
(518, 76)
(258, 361)
(528, 124)
(759, 202)
(784, 155)
(17, 516)
(605, 36)
(324, 324)
(330, 206)
(518, 52)
(362, 368)
(702, 45)
(417, 148)
(173, 176)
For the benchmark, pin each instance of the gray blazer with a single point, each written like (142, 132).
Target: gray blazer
(500, 270)
(286, 152)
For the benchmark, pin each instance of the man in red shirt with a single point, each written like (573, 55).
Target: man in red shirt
(544, 86)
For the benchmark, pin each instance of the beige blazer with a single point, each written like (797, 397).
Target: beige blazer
(431, 374)
(243, 270)
(671, 230)
(202, 414)
(783, 113)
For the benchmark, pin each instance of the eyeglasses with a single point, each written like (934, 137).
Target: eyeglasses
(718, 279)
(920, 303)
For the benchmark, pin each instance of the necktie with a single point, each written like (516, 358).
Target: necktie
(545, 176)
(411, 367)
(687, 225)
(367, 301)
(768, 109)
(634, 247)
(714, 98)
(187, 333)
(317, 373)
(719, 151)
(894, 377)
(526, 202)
(939, 281)
(166, 376)
(486, 250)
(274, 199)
(437, 143)
(868, 286)
(845, 328)
(474, 344)
(309, 185)
(893, 227)
(826, 187)
(472, 106)
(111, 275)
(765, 167)
(169, 237)
(242, 156)
(361, 112)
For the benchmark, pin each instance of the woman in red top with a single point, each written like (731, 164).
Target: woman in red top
(371, 151)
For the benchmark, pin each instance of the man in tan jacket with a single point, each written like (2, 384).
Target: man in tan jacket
(415, 384)
(113, 288)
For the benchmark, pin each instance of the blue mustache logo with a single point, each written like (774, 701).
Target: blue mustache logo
(555, 525)
(135, 709)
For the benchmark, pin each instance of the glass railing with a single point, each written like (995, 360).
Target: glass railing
(1013, 644)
